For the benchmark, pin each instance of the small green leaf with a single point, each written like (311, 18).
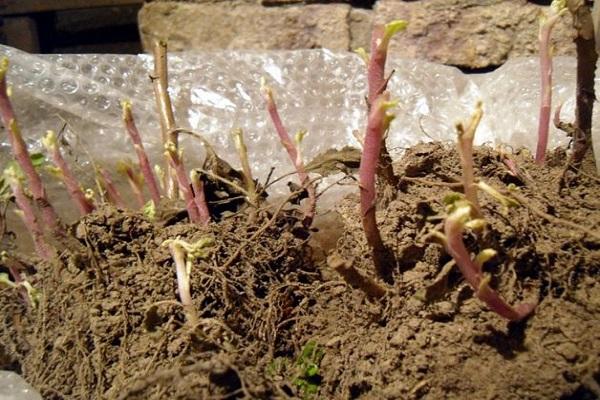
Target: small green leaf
(34, 295)
(5, 192)
(452, 198)
(362, 53)
(149, 210)
(394, 27)
(37, 159)
(312, 370)
(4, 279)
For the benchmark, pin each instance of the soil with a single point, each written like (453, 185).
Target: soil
(277, 319)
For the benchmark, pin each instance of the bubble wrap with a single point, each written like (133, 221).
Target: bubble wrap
(13, 387)
(317, 90)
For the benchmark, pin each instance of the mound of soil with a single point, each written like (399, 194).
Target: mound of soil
(110, 325)
(277, 322)
(427, 336)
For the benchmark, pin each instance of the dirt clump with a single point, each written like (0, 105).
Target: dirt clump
(426, 335)
(275, 321)
(110, 325)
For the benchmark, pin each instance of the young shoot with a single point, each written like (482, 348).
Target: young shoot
(378, 123)
(587, 57)
(14, 177)
(111, 192)
(505, 201)
(176, 163)
(77, 195)
(199, 197)
(136, 139)
(240, 146)
(160, 81)
(375, 159)
(557, 8)
(22, 156)
(458, 219)
(465, 151)
(377, 84)
(32, 295)
(380, 41)
(135, 180)
(184, 255)
(294, 153)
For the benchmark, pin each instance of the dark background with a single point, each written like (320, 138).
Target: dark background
(71, 26)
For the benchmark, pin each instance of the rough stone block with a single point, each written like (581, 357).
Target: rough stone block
(242, 25)
(360, 21)
(470, 33)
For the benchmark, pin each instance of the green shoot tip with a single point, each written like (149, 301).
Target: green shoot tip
(484, 256)
(299, 136)
(484, 284)
(149, 210)
(265, 89)
(394, 27)
(461, 212)
(362, 53)
(558, 6)
(49, 140)
(3, 67)
(475, 224)
(170, 148)
(13, 174)
(453, 197)
(126, 107)
(5, 280)
(89, 194)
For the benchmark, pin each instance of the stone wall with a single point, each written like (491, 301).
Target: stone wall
(467, 33)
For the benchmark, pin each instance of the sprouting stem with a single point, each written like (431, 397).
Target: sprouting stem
(378, 122)
(83, 203)
(184, 255)
(112, 193)
(240, 145)
(199, 197)
(587, 57)
(160, 81)
(380, 41)
(145, 167)
(15, 178)
(557, 8)
(292, 151)
(377, 84)
(176, 164)
(21, 154)
(135, 180)
(465, 151)
(454, 226)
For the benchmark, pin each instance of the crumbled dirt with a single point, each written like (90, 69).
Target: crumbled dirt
(277, 322)
(428, 336)
(110, 326)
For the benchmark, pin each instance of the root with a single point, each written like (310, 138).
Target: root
(263, 228)
(555, 220)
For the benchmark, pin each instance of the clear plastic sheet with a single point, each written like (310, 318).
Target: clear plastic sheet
(317, 90)
(13, 387)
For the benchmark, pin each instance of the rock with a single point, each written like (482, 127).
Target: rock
(568, 350)
(285, 2)
(470, 33)
(241, 25)
(361, 21)
(465, 33)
